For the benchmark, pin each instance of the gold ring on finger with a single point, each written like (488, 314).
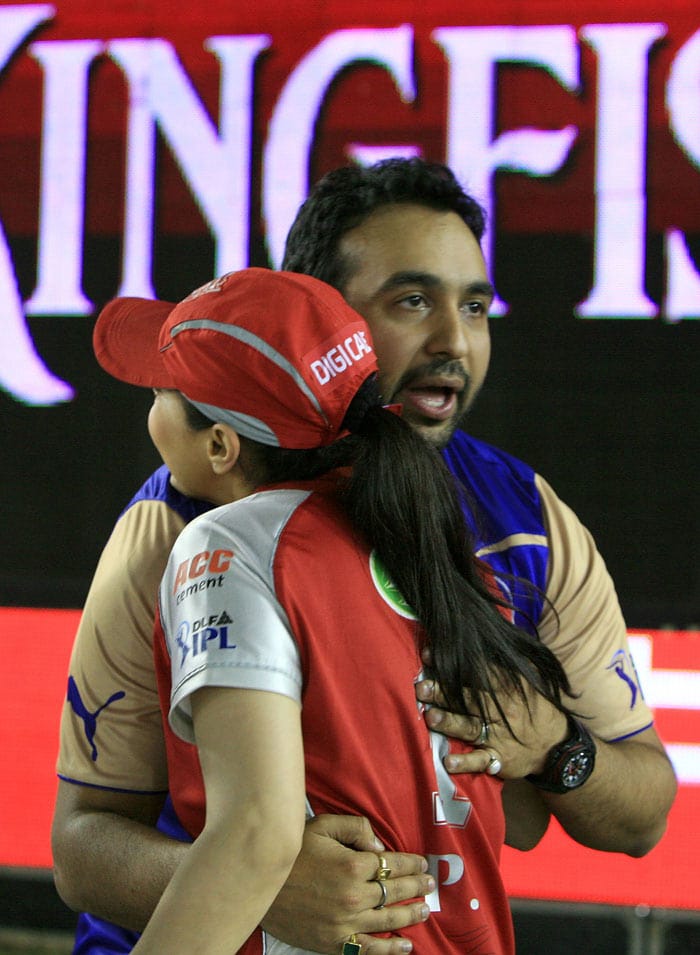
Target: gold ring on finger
(383, 872)
(352, 946)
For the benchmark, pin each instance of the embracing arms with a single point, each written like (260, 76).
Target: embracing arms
(111, 861)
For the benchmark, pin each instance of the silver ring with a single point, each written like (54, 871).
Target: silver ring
(382, 885)
(495, 766)
(483, 734)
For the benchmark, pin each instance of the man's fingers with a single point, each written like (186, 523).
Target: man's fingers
(393, 919)
(428, 691)
(384, 946)
(402, 889)
(404, 863)
(450, 724)
(479, 761)
(474, 762)
(409, 879)
(353, 831)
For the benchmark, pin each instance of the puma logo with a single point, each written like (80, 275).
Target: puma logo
(88, 718)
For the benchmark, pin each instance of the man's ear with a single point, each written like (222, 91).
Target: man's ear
(223, 448)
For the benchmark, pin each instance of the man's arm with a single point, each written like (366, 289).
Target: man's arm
(624, 805)
(583, 626)
(109, 859)
(97, 832)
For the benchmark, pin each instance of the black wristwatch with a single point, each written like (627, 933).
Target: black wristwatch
(569, 764)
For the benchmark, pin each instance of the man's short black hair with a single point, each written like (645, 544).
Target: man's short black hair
(345, 197)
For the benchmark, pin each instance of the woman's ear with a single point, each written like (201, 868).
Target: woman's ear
(223, 448)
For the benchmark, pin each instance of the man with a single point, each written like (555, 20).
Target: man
(401, 242)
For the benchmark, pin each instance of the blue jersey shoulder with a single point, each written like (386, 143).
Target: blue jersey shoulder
(504, 510)
(158, 488)
(502, 489)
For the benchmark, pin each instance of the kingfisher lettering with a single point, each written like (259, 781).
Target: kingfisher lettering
(215, 155)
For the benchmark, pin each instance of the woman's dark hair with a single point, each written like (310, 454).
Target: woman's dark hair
(404, 502)
(194, 417)
(345, 197)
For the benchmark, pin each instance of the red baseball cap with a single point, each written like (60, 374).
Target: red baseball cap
(276, 355)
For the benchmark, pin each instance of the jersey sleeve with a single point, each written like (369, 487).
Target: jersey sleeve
(582, 624)
(221, 620)
(111, 732)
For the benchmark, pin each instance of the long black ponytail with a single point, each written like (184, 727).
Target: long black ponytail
(409, 507)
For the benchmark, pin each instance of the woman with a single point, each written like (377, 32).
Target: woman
(292, 622)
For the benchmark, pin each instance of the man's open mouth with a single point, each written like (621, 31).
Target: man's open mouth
(438, 403)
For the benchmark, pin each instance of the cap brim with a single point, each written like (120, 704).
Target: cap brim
(126, 341)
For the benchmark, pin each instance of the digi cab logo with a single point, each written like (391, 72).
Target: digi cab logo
(334, 356)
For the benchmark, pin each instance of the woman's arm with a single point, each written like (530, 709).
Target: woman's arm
(251, 753)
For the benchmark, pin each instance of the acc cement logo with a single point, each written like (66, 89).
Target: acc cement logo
(388, 589)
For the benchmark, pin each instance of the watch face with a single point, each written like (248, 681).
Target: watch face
(570, 764)
(575, 769)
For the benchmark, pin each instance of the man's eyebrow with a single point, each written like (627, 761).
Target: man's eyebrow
(410, 277)
(481, 288)
(430, 280)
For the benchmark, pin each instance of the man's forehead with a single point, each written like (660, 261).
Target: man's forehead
(408, 243)
(375, 275)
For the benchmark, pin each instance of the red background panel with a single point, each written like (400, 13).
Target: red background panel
(560, 869)
(37, 648)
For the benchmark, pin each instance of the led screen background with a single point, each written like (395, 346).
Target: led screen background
(140, 153)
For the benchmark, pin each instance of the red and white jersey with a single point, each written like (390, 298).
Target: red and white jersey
(275, 592)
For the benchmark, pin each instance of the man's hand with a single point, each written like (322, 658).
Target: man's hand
(332, 893)
(605, 813)
(537, 724)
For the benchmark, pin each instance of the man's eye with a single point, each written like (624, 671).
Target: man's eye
(414, 301)
(476, 308)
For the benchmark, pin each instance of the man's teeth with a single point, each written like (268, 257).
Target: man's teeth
(432, 399)
(435, 401)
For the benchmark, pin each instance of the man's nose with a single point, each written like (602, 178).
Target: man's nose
(450, 333)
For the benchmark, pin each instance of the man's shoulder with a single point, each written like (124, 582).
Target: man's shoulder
(469, 456)
(504, 510)
(503, 489)
(158, 487)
